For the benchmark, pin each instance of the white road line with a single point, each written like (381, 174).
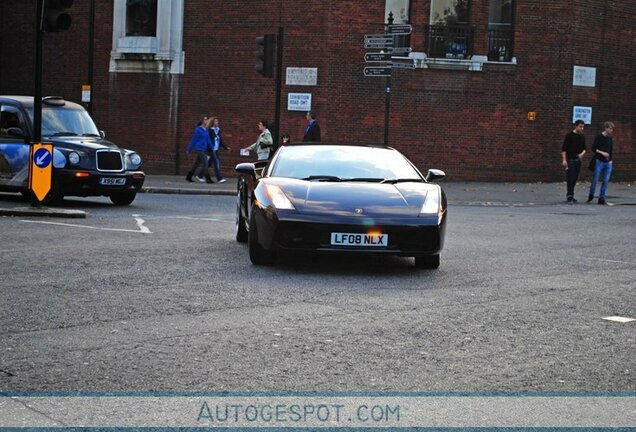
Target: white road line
(611, 261)
(90, 227)
(140, 224)
(187, 218)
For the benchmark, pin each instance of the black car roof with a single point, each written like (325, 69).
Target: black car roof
(27, 101)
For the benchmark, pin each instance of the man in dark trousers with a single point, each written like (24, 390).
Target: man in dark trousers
(312, 130)
(572, 152)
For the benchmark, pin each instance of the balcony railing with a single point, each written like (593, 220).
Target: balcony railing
(500, 44)
(450, 41)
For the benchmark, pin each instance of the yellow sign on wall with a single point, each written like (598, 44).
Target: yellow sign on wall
(41, 169)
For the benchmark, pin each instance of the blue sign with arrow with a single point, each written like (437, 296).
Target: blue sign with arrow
(42, 158)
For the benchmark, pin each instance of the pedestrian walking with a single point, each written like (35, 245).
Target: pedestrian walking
(602, 150)
(572, 152)
(201, 145)
(312, 130)
(214, 131)
(264, 142)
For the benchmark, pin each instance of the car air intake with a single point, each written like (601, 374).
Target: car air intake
(108, 160)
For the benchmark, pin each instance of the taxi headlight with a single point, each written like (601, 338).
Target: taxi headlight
(74, 158)
(134, 160)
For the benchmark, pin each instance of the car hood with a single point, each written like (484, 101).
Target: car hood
(82, 143)
(355, 198)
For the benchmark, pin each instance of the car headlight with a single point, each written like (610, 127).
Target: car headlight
(134, 160)
(74, 158)
(431, 204)
(278, 198)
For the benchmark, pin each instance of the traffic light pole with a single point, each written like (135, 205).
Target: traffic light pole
(279, 79)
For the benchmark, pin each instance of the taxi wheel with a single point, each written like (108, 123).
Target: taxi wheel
(258, 255)
(427, 261)
(123, 198)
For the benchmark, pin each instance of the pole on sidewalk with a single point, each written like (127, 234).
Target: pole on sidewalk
(279, 79)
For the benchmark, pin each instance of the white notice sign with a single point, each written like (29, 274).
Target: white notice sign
(302, 76)
(582, 113)
(584, 76)
(299, 102)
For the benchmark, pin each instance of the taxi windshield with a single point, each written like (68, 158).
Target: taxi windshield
(65, 121)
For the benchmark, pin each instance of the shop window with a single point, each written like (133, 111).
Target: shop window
(500, 30)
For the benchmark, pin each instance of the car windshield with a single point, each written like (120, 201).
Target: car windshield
(343, 163)
(60, 121)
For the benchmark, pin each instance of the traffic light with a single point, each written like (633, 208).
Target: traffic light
(265, 54)
(55, 17)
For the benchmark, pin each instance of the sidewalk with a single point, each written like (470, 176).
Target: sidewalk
(458, 193)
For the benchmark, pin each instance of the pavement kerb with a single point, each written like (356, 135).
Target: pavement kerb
(43, 212)
(185, 191)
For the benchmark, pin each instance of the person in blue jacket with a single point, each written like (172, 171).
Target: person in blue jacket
(201, 145)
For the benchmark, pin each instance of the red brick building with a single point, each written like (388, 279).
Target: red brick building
(493, 92)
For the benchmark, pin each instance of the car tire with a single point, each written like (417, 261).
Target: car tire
(258, 255)
(239, 229)
(123, 198)
(427, 261)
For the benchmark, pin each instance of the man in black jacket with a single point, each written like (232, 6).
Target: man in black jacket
(312, 130)
(572, 152)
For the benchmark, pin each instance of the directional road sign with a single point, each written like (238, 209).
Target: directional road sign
(41, 169)
(400, 50)
(377, 57)
(376, 71)
(398, 65)
(400, 29)
(378, 37)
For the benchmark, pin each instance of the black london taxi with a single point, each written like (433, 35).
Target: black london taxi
(84, 162)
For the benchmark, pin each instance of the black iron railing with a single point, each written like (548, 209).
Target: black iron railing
(450, 41)
(500, 45)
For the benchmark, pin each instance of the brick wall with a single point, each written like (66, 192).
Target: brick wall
(473, 125)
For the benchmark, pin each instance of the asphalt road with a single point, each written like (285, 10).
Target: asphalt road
(159, 297)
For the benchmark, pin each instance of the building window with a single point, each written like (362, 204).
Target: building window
(500, 31)
(449, 33)
(398, 12)
(147, 36)
(141, 17)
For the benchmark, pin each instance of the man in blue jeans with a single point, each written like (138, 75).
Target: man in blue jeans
(602, 150)
(572, 152)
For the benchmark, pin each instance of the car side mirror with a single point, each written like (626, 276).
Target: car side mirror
(16, 132)
(246, 168)
(435, 174)
(102, 134)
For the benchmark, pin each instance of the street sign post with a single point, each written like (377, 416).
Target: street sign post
(400, 29)
(377, 57)
(41, 170)
(376, 71)
(378, 41)
(400, 50)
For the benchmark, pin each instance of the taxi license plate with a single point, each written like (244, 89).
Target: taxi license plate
(112, 181)
(356, 239)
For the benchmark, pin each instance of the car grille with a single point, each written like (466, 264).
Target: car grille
(108, 160)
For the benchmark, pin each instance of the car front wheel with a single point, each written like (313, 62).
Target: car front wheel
(258, 255)
(427, 261)
(123, 198)
(240, 230)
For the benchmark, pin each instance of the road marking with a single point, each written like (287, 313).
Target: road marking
(611, 261)
(140, 231)
(619, 319)
(140, 224)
